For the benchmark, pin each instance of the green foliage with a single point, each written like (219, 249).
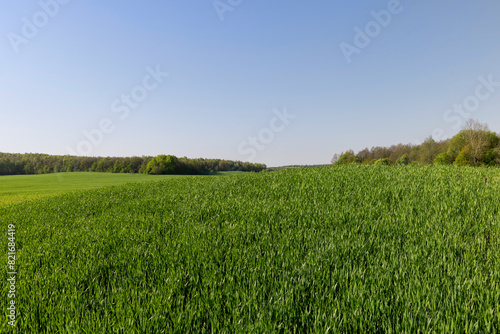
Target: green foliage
(383, 162)
(478, 145)
(457, 144)
(163, 164)
(350, 249)
(490, 157)
(404, 160)
(442, 159)
(462, 160)
(493, 139)
(428, 151)
(23, 164)
(348, 158)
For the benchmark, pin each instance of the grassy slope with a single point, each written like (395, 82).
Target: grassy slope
(348, 249)
(18, 188)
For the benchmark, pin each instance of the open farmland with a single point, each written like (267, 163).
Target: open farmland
(19, 188)
(334, 249)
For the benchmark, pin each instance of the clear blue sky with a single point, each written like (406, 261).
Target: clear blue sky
(228, 77)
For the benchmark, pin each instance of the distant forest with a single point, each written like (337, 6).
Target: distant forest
(474, 145)
(31, 163)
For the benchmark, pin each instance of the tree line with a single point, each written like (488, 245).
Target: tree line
(34, 163)
(474, 145)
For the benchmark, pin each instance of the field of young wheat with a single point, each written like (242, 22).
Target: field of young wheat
(333, 249)
(20, 188)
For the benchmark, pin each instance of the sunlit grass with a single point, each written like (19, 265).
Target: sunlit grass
(335, 249)
(19, 188)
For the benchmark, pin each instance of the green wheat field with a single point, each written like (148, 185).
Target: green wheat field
(19, 188)
(321, 250)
